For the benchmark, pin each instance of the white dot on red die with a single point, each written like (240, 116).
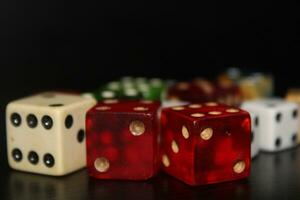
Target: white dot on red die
(239, 166)
(137, 128)
(165, 160)
(102, 108)
(178, 108)
(197, 115)
(232, 110)
(174, 146)
(101, 164)
(215, 113)
(211, 104)
(185, 132)
(147, 102)
(140, 108)
(206, 134)
(110, 101)
(195, 106)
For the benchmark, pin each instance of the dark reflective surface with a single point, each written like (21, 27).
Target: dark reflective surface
(274, 176)
(27, 186)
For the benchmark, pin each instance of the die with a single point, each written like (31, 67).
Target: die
(228, 92)
(131, 88)
(275, 123)
(256, 85)
(122, 139)
(254, 135)
(249, 88)
(293, 95)
(156, 89)
(205, 143)
(198, 90)
(46, 133)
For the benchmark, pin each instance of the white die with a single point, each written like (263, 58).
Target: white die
(46, 133)
(254, 135)
(276, 123)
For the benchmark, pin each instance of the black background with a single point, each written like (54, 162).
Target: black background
(79, 45)
(47, 45)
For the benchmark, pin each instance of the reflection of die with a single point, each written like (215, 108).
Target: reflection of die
(206, 143)
(275, 122)
(28, 186)
(46, 133)
(130, 190)
(122, 139)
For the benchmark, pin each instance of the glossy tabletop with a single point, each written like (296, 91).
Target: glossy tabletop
(274, 176)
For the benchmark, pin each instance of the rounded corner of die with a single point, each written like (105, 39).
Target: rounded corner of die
(10, 163)
(192, 183)
(89, 99)
(89, 113)
(61, 174)
(247, 114)
(57, 172)
(9, 106)
(93, 101)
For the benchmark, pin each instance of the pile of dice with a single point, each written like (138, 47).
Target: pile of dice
(231, 88)
(252, 85)
(129, 130)
(201, 90)
(131, 88)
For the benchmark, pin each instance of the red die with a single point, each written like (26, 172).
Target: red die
(206, 143)
(228, 92)
(122, 140)
(199, 90)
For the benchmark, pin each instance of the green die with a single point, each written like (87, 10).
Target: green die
(155, 89)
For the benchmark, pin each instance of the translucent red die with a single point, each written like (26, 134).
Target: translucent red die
(228, 92)
(122, 140)
(206, 143)
(200, 90)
